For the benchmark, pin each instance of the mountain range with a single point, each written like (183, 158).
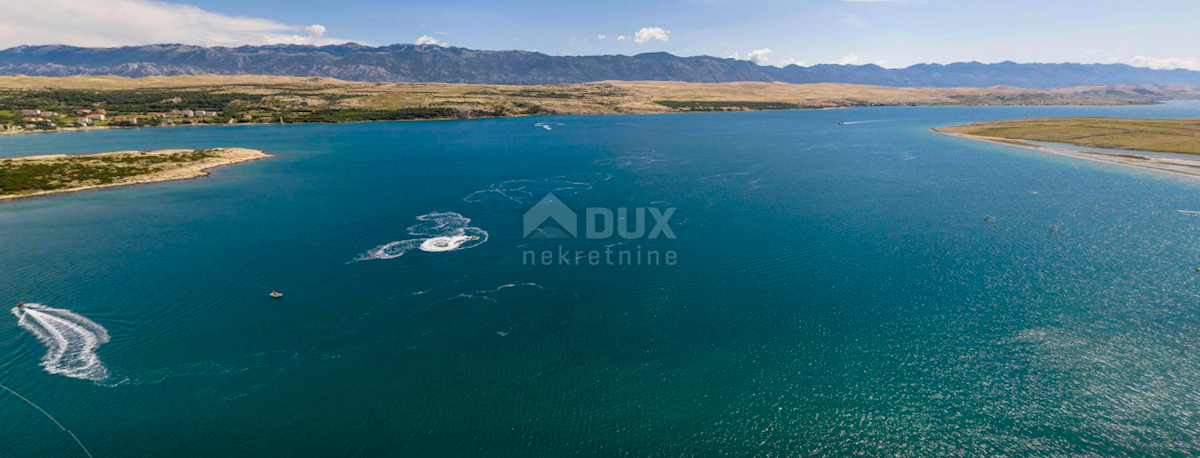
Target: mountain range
(431, 63)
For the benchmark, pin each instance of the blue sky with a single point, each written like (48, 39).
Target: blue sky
(1159, 33)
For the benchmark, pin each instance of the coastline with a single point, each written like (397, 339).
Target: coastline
(1145, 160)
(191, 171)
(647, 112)
(259, 100)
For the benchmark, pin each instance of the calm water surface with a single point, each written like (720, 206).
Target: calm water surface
(838, 291)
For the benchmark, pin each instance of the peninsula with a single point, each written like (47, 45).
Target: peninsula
(1072, 137)
(52, 174)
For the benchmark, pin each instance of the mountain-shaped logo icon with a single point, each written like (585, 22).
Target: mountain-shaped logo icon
(551, 208)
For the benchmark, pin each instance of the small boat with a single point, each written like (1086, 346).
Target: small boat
(276, 294)
(989, 218)
(840, 123)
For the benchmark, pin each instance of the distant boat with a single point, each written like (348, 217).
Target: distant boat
(1189, 212)
(276, 294)
(840, 123)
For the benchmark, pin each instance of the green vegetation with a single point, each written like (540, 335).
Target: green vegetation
(702, 105)
(402, 114)
(22, 176)
(125, 101)
(1162, 135)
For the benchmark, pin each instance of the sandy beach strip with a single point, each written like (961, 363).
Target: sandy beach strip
(1137, 159)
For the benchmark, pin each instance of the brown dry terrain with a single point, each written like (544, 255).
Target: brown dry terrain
(294, 93)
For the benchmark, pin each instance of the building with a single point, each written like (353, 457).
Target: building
(30, 112)
(83, 111)
(95, 117)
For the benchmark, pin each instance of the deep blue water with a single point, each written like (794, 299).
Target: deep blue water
(837, 292)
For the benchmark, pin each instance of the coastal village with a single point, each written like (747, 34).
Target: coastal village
(34, 119)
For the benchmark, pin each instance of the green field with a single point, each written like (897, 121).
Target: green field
(1161, 135)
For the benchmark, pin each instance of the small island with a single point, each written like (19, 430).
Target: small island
(51, 174)
(1071, 136)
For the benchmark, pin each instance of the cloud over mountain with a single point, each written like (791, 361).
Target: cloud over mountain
(140, 22)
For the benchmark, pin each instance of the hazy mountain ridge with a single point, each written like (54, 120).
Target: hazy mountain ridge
(426, 63)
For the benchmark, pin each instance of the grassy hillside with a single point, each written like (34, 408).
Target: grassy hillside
(1162, 135)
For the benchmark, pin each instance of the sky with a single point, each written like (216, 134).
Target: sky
(890, 33)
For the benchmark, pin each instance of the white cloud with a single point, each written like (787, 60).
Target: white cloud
(428, 40)
(850, 59)
(139, 22)
(734, 56)
(759, 56)
(1167, 63)
(315, 31)
(790, 61)
(651, 33)
(600, 37)
(621, 38)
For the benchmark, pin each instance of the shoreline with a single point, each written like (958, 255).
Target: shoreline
(101, 128)
(200, 169)
(1136, 159)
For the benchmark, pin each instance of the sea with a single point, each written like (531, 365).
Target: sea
(869, 288)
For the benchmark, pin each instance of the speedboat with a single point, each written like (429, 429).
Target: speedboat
(276, 294)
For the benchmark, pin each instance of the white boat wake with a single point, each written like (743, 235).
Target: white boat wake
(439, 232)
(71, 341)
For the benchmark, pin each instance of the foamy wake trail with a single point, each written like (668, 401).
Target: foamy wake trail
(71, 341)
(437, 232)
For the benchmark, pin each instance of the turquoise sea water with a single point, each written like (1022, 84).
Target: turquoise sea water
(838, 291)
